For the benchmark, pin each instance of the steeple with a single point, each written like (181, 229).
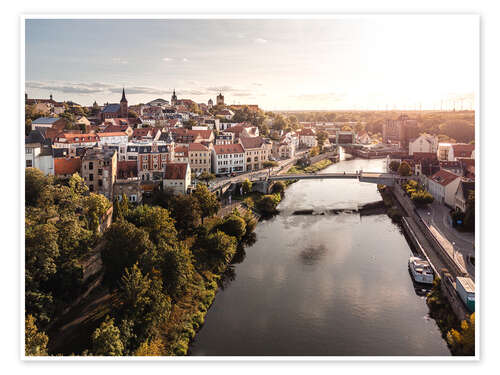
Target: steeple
(123, 96)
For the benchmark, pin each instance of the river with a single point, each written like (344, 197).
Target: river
(334, 285)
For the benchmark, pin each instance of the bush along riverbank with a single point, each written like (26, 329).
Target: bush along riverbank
(460, 335)
(265, 204)
(392, 206)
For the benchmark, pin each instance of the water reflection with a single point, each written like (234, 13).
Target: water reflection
(312, 255)
(321, 284)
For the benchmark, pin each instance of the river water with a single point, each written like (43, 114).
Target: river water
(334, 285)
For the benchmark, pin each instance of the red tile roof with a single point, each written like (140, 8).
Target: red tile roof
(424, 155)
(65, 166)
(112, 134)
(181, 149)
(229, 149)
(462, 150)
(444, 177)
(175, 171)
(116, 128)
(251, 142)
(78, 138)
(126, 168)
(197, 147)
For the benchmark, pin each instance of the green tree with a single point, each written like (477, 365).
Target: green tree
(156, 221)
(278, 187)
(106, 339)
(267, 204)
(314, 151)
(463, 341)
(35, 343)
(176, 267)
(35, 181)
(186, 213)
(404, 169)
(144, 303)
(246, 186)
(207, 201)
(270, 164)
(206, 177)
(394, 165)
(233, 225)
(321, 137)
(124, 245)
(132, 114)
(219, 248)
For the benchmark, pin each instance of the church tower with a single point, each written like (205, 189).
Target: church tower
(220, 99)
(123, 105)
(174, 99)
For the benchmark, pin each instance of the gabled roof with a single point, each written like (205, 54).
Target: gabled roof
(181, 149)
(229, 149)
(197, 147)
(113, 134)
(111, 108)
(65, 166)
(462, 150)
(45, 120)
(444, 177)
(115, 128)
(175, 171)
(251, 142)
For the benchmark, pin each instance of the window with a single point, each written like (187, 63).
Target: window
(100, 182)
(91, 177)
(29, 163)
(99, 172)
(28, 150)
(91, 166)
(91, 187)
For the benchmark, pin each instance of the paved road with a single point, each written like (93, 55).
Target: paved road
(256, 174)
(437, 215)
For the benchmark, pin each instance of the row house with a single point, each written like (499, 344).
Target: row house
(99, 169)
(38, 152)
(454, 151)
(181, 154)
(307, 138)
(224, 139)
(152, 134)
(443, 186)
(200, 159)
(177, 176)
(257, 151)
(72, 141)
(423, 143)
(152, 160)
(127, 182)
(228, 158)
(465, 188)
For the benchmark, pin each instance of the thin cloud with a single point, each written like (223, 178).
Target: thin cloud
(330, 96)
(185, 59)
(119, 60)
(260, 41)
(167, 59)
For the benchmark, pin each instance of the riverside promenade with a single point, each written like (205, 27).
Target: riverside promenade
(437, 249)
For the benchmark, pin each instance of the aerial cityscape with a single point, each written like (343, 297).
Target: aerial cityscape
(288, 187)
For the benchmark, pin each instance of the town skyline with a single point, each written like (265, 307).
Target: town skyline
(277, 64)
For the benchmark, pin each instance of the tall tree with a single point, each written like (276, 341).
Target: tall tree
(35, 343)
(106, 339)
(209, 205)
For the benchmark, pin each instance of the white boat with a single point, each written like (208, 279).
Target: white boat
(421, 270)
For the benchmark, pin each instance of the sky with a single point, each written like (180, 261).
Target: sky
(362, 62)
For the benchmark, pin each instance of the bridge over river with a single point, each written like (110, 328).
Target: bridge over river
(370, 177)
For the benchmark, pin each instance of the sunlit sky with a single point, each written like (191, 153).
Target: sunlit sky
(379, 62)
